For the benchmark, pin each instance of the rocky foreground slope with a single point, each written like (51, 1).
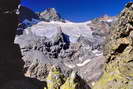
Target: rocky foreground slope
(118, 72)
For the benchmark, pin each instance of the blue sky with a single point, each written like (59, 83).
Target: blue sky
(79, 10)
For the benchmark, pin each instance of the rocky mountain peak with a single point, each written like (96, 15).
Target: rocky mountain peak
(51, 10)
(50, 14)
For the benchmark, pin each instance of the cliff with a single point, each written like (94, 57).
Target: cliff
(118, 51)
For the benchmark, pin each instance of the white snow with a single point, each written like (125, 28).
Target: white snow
(71, 66)
(84, 63)
(73, 30)
(109, 20)
(97, 52)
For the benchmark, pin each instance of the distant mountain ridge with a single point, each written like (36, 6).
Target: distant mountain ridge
(27, 17)
(26, 13)
(50, 14)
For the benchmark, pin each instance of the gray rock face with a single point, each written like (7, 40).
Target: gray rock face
(50, 14)
(41, 52)
(71, 46)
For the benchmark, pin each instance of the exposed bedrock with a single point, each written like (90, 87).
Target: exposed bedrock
(56, 80)
(118, 73)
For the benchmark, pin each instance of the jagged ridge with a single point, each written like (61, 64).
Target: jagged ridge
(118, 51)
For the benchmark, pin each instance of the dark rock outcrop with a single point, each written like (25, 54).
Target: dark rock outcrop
(27, 18)
(11, 64)
(8, 20)
(118, 51)
(6, 5)
(26, 13)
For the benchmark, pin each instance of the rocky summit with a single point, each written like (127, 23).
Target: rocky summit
(50, 14)
(118, 73)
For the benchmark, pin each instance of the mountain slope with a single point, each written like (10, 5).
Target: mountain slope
(118, 73)
(26, 13)
(70, 45)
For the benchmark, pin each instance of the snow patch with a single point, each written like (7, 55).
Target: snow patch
(70, 66)
(84, 63)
